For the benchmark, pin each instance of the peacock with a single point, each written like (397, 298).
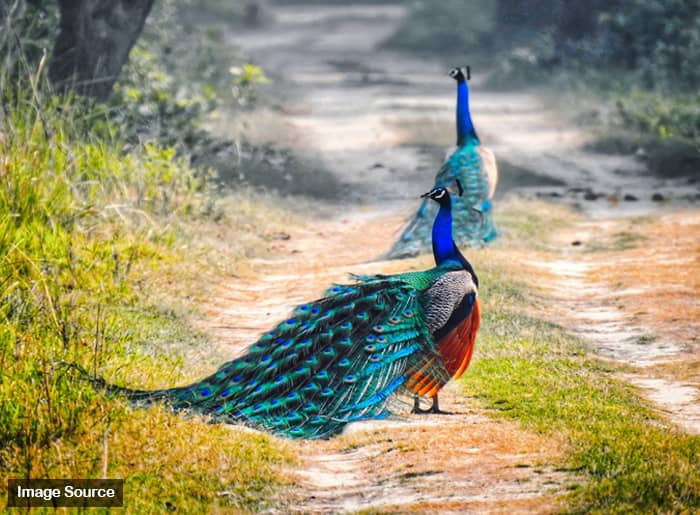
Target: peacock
(475, 166)
(346, 356)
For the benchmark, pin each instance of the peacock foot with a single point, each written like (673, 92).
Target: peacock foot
(432, 410)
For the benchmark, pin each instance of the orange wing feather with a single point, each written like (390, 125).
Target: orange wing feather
(455, 350)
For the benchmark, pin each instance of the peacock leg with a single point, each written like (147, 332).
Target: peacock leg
(416, 405)
(435, 408)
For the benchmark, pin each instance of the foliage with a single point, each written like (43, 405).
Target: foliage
(656, 41)
(671, 128)
(27, 30)
(644, 53)
(667, 116)
(180, 73)
(658, 38)
(177, 74)
(87, 226)
(659, 127)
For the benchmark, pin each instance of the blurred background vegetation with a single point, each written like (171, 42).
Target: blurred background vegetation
(640, 56)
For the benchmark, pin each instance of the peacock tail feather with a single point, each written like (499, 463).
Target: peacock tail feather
(473, 220)
(334, 361)
(344, 357)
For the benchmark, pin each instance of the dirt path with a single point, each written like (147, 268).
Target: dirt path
(631, 288)
(466, 461)
(380, 122)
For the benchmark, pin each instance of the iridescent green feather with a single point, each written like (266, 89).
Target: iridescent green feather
(334, 361)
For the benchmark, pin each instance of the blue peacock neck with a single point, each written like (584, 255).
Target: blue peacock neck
(444, 247)
(465, 128)
(443, 244)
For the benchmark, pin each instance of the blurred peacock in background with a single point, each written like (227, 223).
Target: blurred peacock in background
(475, 166)
(343, 358)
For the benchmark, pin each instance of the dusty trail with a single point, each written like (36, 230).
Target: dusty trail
(379, 121)
(465, 461)
(631, 288)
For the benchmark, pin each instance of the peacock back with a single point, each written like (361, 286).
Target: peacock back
(473, 220)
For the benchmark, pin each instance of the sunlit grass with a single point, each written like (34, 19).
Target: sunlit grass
(92, 241)
(532, 371)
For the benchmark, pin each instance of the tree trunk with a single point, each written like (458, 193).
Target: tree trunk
(94, 42)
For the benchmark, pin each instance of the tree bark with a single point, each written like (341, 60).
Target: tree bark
(94, 40)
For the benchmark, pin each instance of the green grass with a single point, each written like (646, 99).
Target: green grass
(528, 224)
(91, 238)
(532, 371)
(633, 463)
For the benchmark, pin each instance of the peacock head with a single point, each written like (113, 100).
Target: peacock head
(461, 74)
(439, 195)
(442, 195)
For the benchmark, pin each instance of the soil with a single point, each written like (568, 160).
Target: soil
(380, 122)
